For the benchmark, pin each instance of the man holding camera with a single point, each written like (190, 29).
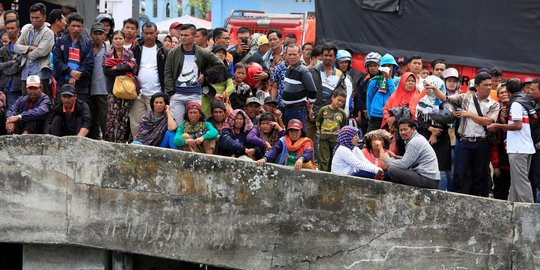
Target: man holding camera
(243, 53)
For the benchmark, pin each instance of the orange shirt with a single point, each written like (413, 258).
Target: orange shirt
(493, 95)
(64, 109)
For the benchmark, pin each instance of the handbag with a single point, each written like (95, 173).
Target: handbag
(491, 136)
(125, 87)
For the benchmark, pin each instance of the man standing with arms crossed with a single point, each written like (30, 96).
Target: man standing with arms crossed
(35, 44)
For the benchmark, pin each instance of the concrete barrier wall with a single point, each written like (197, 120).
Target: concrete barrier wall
(228, 212)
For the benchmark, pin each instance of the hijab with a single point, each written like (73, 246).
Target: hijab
(400, 97)
(345, 136)
(229, 121)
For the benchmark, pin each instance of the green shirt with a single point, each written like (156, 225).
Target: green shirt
(329, 122)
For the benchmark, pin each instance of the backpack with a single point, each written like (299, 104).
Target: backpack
(533, 112)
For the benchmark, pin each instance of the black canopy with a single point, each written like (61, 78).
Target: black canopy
(481, 33)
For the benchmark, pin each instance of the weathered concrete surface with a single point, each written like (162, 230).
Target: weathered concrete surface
(59, 257)
(228, 212)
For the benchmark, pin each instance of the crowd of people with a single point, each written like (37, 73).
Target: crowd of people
(271, 100)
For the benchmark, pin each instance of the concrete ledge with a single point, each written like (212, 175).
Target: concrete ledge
(228, 212)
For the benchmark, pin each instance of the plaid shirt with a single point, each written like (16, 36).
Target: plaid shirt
(469, 128)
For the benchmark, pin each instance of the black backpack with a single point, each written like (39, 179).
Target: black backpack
(533, 110)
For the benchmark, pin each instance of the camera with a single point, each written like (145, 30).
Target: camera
(244, 41)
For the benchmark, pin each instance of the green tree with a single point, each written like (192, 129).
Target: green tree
(202, 5)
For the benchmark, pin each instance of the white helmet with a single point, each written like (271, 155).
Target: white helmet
(434, 80)
(372, 57)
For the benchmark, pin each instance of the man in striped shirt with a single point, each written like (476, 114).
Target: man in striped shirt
(299, 90)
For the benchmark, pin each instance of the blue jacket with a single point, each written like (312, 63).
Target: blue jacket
(232, 144)
(376, 100)
(86, 62)
(39, 110)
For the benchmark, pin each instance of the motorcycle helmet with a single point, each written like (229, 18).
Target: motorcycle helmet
(343, 55)
(452, 73)
(372, 57)
(434, 80)
(445, 113)
(252, 69)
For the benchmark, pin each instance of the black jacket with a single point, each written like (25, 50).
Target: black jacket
(81, 115)
(161, 58)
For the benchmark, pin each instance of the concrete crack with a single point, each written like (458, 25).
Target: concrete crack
(317, 258)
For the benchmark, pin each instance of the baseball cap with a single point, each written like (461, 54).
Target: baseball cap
(253, 100)
(97, 27)
(67, 89)
(175, 24)
(262, 40)
(219, 48)
(33, 80)
(268, 100)
(295, 124)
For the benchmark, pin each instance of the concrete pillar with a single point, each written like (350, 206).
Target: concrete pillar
(60, 257)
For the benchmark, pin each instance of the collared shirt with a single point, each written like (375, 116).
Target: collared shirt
(468, 128)
(99, 82)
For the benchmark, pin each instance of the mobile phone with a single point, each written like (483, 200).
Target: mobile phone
(244, 41)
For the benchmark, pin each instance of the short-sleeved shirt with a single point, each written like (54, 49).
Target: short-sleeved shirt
(519, 141)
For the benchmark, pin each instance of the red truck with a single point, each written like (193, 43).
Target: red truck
(300, 24)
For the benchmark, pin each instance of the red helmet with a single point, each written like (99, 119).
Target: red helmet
(252, 69)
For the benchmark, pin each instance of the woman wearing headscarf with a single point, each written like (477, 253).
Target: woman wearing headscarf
(348, 158)
(195, 134)
(422, 107)
(233, 135)
(397, 107)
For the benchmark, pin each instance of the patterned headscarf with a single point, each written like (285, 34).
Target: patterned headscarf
(345, 136)
(229, 121)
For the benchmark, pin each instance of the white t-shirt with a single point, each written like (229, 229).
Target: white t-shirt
(190, 72)
(519, 141)
(148, 71)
